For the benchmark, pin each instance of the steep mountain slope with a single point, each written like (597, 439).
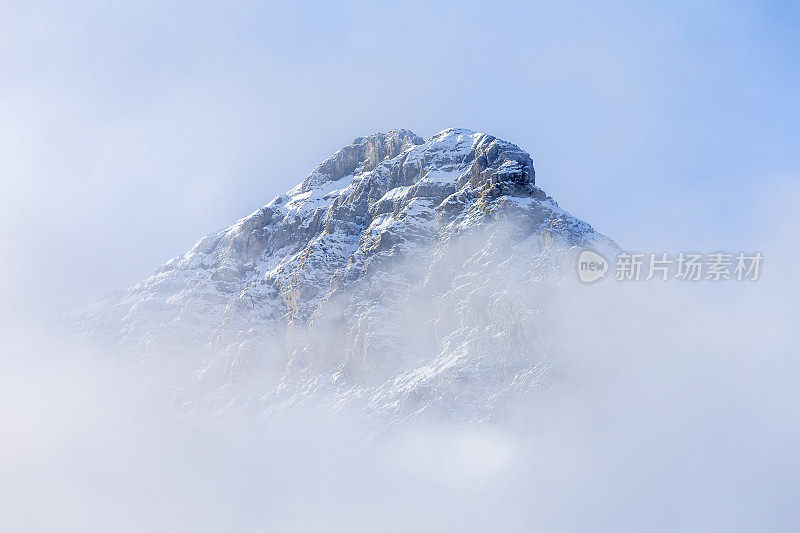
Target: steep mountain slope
(402, 276)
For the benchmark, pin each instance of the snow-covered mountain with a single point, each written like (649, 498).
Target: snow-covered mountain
(402, 277)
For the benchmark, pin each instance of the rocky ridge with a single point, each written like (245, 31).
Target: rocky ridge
(395, 277)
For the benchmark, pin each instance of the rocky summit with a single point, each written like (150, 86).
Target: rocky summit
(401, 277)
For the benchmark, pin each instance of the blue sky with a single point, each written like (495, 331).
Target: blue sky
(131, 129)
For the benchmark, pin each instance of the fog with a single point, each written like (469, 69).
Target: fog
(130, 130)
(672, 406)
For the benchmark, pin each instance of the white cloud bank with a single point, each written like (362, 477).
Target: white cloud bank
(675, 407)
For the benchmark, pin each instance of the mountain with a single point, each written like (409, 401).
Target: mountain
(401, 277)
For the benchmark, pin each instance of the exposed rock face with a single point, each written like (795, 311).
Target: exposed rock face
(354, 284)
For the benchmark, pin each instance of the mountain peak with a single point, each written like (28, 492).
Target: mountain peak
(364, 154)
(488, 157)
(370, 224)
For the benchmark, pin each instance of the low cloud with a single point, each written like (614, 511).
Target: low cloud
(671, 407)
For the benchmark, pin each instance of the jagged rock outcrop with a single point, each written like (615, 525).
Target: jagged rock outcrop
(356, 279)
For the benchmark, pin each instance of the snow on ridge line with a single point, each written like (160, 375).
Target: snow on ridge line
(443, 163)
(296, 201)
(456, 141)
